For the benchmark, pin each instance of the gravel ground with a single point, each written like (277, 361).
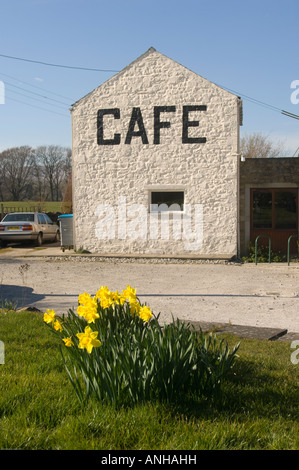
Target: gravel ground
(266, 295)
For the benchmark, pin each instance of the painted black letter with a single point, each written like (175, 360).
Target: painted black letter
(157, 123)
(136, 117)
(100, 135)
(187, 123)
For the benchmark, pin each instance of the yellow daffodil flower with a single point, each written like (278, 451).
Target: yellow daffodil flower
(49, 316)
(88, 339)
(145, 313)
(134, 307)
(89, 307)
(68, 342)
(130, 294)
(57, 326)
(105, 297)
(84, 298)
(103, 292)
(108, 298)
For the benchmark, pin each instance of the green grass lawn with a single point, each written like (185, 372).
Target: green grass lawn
(32, 206)
(39, 408)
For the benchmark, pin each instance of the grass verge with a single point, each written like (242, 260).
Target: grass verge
(45, 206)
(39, 408)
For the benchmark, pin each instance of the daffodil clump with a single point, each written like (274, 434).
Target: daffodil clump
(115, 349)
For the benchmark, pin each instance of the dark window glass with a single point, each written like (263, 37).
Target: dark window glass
(41, 219)
(19, 217)
(262, 209)
(48, 220)
(167, 200)
(285, 210)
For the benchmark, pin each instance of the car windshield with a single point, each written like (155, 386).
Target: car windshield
(19, 218)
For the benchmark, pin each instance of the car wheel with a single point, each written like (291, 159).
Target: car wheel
(3, 243)
(39, 240)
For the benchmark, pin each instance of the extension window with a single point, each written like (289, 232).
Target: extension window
(274, 208)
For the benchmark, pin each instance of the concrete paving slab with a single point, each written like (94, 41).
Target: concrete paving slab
(289, 337)
(243, 331)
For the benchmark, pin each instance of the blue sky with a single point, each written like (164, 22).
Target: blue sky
(248, 47)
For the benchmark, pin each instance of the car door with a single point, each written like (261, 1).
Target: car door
(43, 226)
(51, 227)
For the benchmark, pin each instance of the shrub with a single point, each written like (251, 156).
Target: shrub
(276, 256)
(115, 349)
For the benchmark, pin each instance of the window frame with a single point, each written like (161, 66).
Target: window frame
(273, 191)
(168, 190)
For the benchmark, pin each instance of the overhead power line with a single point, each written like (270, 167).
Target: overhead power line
(261, 103)
(36, 94)
(286, 113)
(71, 100)
(57, 65)
(39, 107)
(37, 99)
(253, 100)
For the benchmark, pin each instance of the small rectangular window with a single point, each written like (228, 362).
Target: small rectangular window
(167, 201)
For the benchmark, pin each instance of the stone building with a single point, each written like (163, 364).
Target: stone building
(156, 165)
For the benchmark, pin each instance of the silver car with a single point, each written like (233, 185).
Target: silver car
(28, 226)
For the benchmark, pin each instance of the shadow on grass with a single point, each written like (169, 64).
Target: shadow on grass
(245, 391)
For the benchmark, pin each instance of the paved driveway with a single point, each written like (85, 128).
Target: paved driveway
(263, 295)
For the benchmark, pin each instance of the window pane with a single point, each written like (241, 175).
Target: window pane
(41, 219)
(48, 220)
(168, 199)
(285, 210)
(19, 217)
(262, 209)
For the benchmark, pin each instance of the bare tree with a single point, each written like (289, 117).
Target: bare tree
(53, 162)
(257, 145)
(16, 171)
(41, 189)
(2, 190)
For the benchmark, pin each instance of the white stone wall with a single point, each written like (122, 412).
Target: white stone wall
(111, 174)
